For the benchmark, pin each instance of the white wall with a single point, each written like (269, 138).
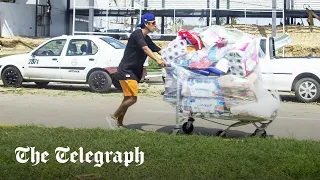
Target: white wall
(103, 4)
(30, 1)
(17, 19)
(23, 19)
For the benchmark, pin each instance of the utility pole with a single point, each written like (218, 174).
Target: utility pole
(274, 18)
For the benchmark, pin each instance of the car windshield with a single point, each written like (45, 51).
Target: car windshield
(114, 43)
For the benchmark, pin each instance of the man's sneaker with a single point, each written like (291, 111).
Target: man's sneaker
(113, 123)
(140, 131)
(123, 127)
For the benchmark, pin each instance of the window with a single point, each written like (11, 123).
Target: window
(94, 48)
(9, 1)
(263, 46)
(82, 47)
(114, 43)
(52, 48)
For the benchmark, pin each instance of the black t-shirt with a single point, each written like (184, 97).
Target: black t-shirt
(131, 65)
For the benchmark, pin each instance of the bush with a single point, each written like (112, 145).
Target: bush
(153, 64)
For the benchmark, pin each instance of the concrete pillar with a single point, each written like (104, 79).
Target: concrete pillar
(218, 12)
(91, 15)
(274, 18)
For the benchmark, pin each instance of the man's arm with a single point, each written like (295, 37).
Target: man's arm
(149, 52)
(145, 47)
(152, 45)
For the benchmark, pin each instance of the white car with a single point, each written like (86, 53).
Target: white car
(300, 75)
(87, 59)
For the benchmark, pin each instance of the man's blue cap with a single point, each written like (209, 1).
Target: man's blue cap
(146, 17)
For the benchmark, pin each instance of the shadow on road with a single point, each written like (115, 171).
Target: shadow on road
(211, 132)
(289, 98)
(292, 98)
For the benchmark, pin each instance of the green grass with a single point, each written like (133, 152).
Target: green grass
(154, 70)
(165, 156)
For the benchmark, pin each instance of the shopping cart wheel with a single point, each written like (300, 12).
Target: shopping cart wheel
(187, 129)
(259, 133)
(221, 133)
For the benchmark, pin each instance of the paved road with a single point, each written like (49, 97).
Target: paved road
(295, 120)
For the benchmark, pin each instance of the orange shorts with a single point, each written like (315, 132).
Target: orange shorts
(129, 87)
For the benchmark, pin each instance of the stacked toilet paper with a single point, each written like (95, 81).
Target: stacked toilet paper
(174, 50)
(242, 60)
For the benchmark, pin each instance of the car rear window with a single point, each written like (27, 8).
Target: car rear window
(114, 43)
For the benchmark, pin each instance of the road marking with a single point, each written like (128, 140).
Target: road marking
(279, 117)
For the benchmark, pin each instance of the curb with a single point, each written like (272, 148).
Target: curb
(8, 125)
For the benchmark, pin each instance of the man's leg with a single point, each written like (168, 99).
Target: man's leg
(130, 91)
(120, 118)
(121, 111)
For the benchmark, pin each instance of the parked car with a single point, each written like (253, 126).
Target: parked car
(87, 59)
(298, 74)
(115, 33)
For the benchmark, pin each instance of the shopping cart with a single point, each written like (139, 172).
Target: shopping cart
(219, 79)
(186, 114)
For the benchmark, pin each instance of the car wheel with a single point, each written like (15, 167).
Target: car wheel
(100, 81)
(42, 83)
(307, 90)
(11, 77)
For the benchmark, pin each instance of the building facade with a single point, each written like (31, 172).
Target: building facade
(51, 18)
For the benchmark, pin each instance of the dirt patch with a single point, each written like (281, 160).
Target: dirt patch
(17, 45)
(21, 42)
(63, 89)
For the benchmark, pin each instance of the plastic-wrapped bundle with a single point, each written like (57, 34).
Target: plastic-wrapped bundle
(266, 103)
(219, 36)
(231, 85)
(201, 87)
(203, 105)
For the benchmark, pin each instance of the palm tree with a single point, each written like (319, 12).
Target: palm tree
(234, 20)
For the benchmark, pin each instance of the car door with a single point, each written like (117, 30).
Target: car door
(80, 57)
(112, 53)
(44, 62)
(275, 71)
